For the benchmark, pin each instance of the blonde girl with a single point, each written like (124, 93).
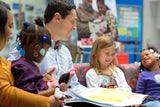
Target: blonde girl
(103, 71)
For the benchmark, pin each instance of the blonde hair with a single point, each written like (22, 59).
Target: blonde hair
(100, 43)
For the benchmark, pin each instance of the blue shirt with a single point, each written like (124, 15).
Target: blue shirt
(62, 60)
(149, 83)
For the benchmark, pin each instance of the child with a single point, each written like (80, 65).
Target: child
(103, 72)
(149, 80)
(33, 43)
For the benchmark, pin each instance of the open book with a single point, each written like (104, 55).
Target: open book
(110, 97)
(97, 26)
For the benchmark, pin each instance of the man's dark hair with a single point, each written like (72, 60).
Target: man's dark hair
(61, 6)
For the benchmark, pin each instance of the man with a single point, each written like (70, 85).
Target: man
(85, 14)
(60, 19)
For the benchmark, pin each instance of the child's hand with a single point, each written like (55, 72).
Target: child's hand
(47, 92)
(112, 86)
(54, 83)
(48, 76)
(115, 86)
(51, 90)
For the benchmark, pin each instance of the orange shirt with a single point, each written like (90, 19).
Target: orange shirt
(11, 96)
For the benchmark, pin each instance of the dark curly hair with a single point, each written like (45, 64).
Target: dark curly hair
(154, 49)
(33, 32)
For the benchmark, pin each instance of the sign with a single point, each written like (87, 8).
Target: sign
(129, 21)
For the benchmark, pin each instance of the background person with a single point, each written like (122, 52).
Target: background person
(108, 16)
(85, 14)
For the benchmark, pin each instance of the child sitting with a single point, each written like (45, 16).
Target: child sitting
(33, 43)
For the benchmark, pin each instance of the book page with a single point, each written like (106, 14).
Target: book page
(113, 97)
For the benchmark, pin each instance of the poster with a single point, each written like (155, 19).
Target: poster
(82, 47)
(111, 4)
(129, 22)
(22, 10)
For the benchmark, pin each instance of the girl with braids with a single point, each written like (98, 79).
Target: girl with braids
(33, 43)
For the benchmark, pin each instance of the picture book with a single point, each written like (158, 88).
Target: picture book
(110, 97)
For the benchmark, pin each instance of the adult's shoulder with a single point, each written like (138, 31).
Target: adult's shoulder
(3, 61)
(64, 48)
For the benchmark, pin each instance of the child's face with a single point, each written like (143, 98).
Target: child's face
(106, 56)
(147, 58)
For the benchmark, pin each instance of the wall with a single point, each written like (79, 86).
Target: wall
(151, 29)
(23, 10)
(130, 26)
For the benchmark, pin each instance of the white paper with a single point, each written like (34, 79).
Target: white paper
(111, 97)
(97, 27)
